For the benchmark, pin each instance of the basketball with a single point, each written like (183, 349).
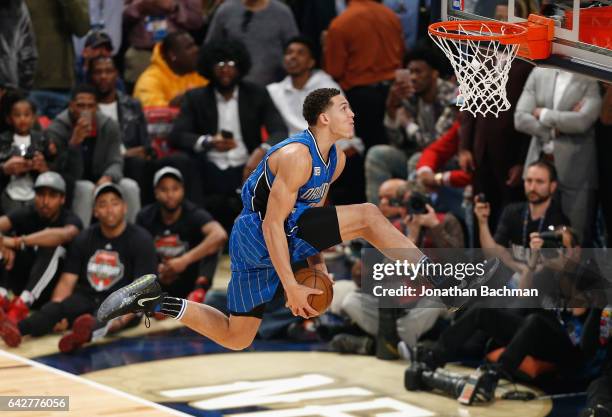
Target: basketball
(314, 278)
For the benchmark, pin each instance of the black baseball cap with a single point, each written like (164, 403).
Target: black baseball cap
(98, 39)
(108, 187)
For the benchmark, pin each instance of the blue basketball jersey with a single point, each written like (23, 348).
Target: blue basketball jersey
(256, 190)
(254, 280)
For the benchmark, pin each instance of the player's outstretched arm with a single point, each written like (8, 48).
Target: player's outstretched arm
(291, 166)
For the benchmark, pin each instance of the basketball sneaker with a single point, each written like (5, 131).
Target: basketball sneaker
(8, 331)
(18, 310)
(142, 295)
(82, 330)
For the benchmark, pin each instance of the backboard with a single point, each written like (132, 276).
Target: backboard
(583, 29)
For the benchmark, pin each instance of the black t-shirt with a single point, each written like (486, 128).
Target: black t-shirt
(27, 220)
(105, 265)
(512, 233)
(178, 238)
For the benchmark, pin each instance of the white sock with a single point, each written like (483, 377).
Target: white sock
(27, 297)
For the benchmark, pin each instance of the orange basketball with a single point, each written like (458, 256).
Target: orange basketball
(314, 278)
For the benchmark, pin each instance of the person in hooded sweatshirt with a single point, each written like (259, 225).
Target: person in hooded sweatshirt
(171, 73)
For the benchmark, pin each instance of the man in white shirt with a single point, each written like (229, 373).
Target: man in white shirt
(222, 126)
(288, 96)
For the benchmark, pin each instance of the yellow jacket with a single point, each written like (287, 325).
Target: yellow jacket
(158, 84)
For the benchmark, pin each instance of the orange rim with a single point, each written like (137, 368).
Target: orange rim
(512, 33)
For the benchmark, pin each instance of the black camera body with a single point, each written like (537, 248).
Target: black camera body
(417, 203)
(552, 240)
(479, 386)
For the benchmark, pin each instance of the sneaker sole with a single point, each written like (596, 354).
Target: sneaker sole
(81, 332)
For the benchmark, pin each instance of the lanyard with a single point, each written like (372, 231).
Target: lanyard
(526, 222)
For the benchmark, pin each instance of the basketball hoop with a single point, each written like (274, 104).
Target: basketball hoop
(481, 53)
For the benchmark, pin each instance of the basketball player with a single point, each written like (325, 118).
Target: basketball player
(283, 221)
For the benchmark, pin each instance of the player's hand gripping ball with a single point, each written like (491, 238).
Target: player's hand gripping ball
(314, 278)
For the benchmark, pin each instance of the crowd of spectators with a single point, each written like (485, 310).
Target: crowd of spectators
(128, 128)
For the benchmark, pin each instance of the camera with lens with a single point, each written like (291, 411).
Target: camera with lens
(552, 240)
(417, 203)
(478, 387)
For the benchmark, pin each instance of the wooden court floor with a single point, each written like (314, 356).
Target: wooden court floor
(19, 376)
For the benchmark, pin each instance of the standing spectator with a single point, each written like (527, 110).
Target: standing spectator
(33, 255)
(419, 109)
(55, 21)
(103, 257)
(139, 157)
(171, 73)
(362, 49)
(235, 107)
(18, 53)
(104, 17)
(97, 44)
(559, 110)
(313, 18)
(263, 26)
(187, 239)
(94, 142)
(24, 153)
(147, 22)
(493, 151)
(288, 96)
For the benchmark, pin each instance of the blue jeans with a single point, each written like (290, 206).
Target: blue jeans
(49, 103)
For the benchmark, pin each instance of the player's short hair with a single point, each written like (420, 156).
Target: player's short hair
(544, 164)
(317, 102)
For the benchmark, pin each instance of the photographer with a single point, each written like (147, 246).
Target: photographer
(564, 273)
(24, 153)
(408, 201)
(519, 220)
(425, 227)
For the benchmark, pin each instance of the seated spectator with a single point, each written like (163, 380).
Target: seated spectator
(33, 255)
(94, 143)
(236, 108)
(55, 22)
(519, 220)
(187, 239)
(139, 156)
(17, 45)
(435, 157)
(420, 108)
(559, 110)
(431, 229)
(171, 73)
(147, 22)
(24, 153)
(288, 96)
(102, 258)
(263, 26)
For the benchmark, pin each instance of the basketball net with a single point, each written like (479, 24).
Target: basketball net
(481, 66)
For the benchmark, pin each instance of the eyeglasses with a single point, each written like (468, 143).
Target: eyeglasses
(223, 64)
(246, 20)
